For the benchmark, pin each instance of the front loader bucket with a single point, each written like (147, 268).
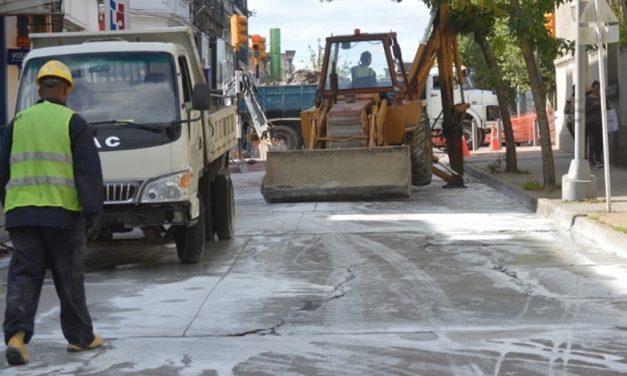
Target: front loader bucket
(337, 174)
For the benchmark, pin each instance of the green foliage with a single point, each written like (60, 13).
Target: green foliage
(619, 10)
(532, 185)
(496, 167)
(316, 56)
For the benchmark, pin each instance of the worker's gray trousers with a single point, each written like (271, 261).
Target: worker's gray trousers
(35, 250)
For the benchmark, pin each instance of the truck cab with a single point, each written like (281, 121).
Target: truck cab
(162, 151)
(481, 115)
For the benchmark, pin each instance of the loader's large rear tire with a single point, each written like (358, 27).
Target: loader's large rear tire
(190, 240)
(223, 206)
(421, 154)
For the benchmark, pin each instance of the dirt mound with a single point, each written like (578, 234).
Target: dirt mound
(303, 76)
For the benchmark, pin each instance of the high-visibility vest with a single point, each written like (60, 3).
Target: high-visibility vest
(362, 71)
(42, 172)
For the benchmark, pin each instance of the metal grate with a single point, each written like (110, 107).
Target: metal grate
(120, 192)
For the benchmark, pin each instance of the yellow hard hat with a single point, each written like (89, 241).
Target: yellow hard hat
(55, 68)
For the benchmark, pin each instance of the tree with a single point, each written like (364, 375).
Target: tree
(527, 26)
(478, 21)
(316, 56)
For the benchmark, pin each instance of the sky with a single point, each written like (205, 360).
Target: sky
(304, 22)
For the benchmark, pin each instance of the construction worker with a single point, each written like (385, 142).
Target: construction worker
(51, 191)
(361, 74)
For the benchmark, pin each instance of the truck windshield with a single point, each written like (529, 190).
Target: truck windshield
(134, 87)
(360, 64)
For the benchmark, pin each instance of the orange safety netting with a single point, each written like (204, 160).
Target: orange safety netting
(526, 130)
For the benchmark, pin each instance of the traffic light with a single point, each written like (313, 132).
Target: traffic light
(259, 47)
(549, 23)
(255, 39)
(262, 48)
(239, 31)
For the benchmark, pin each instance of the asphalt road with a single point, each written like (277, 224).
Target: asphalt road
(449, 282)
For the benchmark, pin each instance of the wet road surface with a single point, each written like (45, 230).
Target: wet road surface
(449, 282)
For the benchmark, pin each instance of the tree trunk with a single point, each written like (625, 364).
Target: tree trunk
(511, 164)
(539, 99)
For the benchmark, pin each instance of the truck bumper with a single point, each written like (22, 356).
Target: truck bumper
(129, 216)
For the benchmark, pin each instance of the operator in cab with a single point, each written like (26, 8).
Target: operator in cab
(362, 74)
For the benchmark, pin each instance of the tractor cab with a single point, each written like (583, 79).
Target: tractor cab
(362, 63)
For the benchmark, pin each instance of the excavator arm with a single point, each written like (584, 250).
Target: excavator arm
(440, 44)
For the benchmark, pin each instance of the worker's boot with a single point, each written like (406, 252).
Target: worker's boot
(96, 343)
(16, 352)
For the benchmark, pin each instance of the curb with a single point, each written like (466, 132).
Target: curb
(528, 200)
(576, 223)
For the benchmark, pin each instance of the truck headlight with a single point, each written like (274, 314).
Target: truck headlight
(167, 188)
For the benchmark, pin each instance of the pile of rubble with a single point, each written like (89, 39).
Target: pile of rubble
(303, 76)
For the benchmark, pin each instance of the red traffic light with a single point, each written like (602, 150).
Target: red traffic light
(256, 41)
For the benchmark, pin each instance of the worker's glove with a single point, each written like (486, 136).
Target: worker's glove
(92, 226)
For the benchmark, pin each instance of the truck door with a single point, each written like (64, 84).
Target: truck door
(434, 102)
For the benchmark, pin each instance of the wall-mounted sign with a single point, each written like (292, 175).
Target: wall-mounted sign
(116, 15)
(15, 56)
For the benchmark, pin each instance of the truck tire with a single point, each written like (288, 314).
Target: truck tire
(190, 240)
(421, 154)
(223, 206)
(467, 125)
(286, 137)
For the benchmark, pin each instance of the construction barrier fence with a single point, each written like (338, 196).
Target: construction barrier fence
(525, 127)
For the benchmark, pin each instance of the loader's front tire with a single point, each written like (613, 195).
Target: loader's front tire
(421, 154)
(190, 240)
(223, 206)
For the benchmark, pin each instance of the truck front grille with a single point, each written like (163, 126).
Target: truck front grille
(121, 192)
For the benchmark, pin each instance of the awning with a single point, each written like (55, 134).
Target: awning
(29, 7)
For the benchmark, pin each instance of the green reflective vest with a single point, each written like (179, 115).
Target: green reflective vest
(42, 172)
(362, 71)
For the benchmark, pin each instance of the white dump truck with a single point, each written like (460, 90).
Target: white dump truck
(482, 113)
(164, 146)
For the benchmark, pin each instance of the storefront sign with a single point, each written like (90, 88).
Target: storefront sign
(116, 14)
(15, 56)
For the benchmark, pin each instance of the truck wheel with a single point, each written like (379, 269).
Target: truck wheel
(190, 240)
(421, 154)
(223, 208)
(286, 137)
(467, 125)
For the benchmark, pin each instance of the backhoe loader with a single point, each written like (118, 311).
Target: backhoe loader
(364, 139)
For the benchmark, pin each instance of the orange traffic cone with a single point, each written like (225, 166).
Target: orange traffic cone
(495, 140)
(465, 150)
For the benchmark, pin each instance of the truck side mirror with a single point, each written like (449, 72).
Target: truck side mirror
(201, 96)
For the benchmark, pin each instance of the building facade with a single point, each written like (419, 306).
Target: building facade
(208, 18)
(18, 19)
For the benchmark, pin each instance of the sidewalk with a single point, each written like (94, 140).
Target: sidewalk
(587, 218)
